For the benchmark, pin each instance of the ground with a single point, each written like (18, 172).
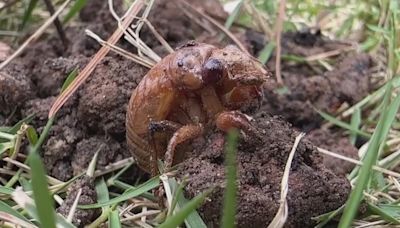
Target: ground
(94, 119)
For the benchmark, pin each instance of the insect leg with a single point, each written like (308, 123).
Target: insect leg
(183, 134)
(158, 127)
(235, 119)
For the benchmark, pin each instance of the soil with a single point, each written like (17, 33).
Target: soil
(313, 189)
(333, 141)
(94, 118)
(88, 196)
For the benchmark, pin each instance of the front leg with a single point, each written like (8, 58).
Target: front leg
(183, 134)
(155, 127)
(234, 119)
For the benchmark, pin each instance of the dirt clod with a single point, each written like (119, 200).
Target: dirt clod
(104, 97)
(347, 82)
(313, 189)
(88, 196)
(15, 89)
(336, 143)
(109, 151)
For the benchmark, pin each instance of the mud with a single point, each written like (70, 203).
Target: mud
(94, 118)
(313, 189)
(88, 196)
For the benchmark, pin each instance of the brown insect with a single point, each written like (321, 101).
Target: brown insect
(193, 89)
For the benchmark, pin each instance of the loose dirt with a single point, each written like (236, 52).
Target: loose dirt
(94, 118)
(313, 189)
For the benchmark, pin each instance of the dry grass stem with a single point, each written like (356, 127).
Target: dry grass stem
(278, 34)
(216, 24)
(281, 216)
(35, 35)
(356, 162)
(89, 68)
(74, 206)
(135, 58)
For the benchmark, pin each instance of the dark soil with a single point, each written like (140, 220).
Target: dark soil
(88, 196)
(332, 141)
(313, 189)
(94, 118)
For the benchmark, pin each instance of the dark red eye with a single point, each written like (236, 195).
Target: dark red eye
(212, 71)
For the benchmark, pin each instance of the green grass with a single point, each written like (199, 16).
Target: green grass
(230, 204)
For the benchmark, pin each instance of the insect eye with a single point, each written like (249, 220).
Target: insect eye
(212, 71)
(180, 63)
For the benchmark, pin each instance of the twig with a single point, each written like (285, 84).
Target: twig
(35, 35)
(281, 216)
(328, 54)
(217, 24)
(57, 23)
(130, 16)
(158, 36)
(140, 60)
(26, 168)
(356, 162)
(278, 33)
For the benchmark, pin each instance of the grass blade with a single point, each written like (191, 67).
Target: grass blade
(370, 158)
(266, 52)
(232, 17)
(18, 125)
(193, 220)
(147, 186)
(32, 135)
(71, 77)
(342, 124)
(384, 213)
(6, 190)
(114, 221)
(28, 13)
(41, 194)
(355, 124)
(229, 211)
(78, 5)
(9, 210)
(179, 217)
(24, 201)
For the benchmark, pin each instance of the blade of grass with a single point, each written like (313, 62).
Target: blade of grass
(193, 220)
(18, 125)
(266, 52)
(147, 186)
(24, 201)
(342, 124)
(9, 210)
(71, 76)
(232, 17)
(6, 190)
(114, 221)
(355, 124)
(178, 190)
(179, 217)
(41, 194)
(383, 213)
(370, 158)
(17, 222)
(229, 210)
(75, 8)
(32, 135)
(28, 13)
